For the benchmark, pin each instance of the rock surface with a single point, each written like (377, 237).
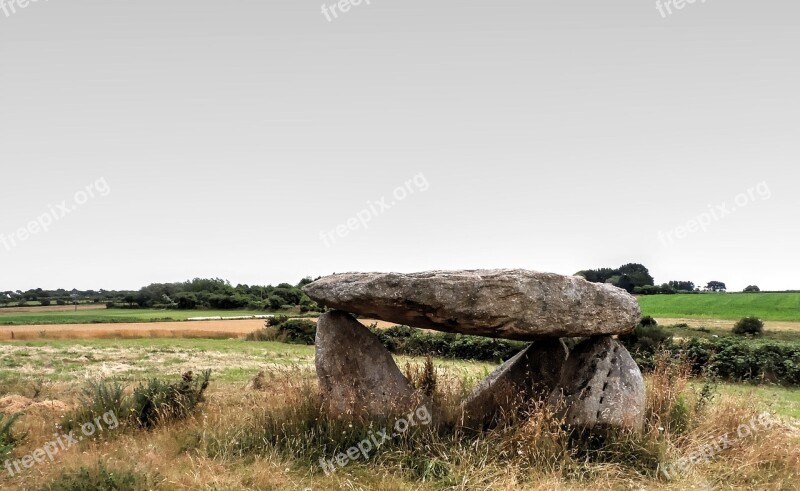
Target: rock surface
(357, 375)
(601, 387)
(511, 304)
(531, 374)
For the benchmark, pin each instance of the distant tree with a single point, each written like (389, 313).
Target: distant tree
(275, 302)
(305, 281)
(637, 274)
(752, 288)
(628, 276)
(601, 275)
(684, 286)
(716, 286)
(622, 281)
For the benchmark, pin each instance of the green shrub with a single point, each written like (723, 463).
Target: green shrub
(98, 398)
(102, 478)
(749, 326)
(158, 401)
(281, 328)
(648, 321)
(276, 320)
(148, 405)
(275, 302)
(644, 342)
(406, 340)
(7, 439)
(297, 331)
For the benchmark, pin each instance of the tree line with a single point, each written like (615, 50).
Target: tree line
(199, 293)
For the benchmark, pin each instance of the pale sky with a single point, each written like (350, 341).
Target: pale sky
(231, 139)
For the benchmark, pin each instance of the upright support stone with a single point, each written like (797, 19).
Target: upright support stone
(601, 387)
(532, 374)
(357, 375)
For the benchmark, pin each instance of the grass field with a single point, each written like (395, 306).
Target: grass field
(731, 306)
(112, 315)
(230, 443)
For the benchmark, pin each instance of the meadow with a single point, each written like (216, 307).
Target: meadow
(259, 425)
(729, 306)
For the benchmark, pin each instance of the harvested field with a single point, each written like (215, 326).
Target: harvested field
(185, 329)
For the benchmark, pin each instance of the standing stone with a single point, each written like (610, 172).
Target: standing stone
(506, 303)
(601, 387)
(358, 376)
(530, 375)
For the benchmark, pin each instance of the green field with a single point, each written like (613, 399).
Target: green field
(113, 315)
(733, 306)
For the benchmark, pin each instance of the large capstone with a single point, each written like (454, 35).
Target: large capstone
(357, 375)
(508, 303)
(601, 387)
(531, 375)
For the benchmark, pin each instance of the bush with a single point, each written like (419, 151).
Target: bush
(7, 439)
(648, 321)
(749, 326)
(283, 329)
(644, 342)
(158, 402)
(274, 302)
(406, 340)
(96, 399)
(147, 406)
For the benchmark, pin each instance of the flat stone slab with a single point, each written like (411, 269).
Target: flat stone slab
(505, 303)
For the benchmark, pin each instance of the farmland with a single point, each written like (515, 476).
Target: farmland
(259, 427)
(727, 306)
(226, 445)
(39, 316)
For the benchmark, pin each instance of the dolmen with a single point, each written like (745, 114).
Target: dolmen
(594, 386)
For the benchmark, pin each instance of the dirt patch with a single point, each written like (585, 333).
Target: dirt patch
(15, 403)
(727, 324)
(220, 329)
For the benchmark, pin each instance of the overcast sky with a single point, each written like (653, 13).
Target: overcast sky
(260, 142)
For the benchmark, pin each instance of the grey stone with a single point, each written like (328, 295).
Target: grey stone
(532, 374)
(510, 303)
(601, 387)
(357, 375)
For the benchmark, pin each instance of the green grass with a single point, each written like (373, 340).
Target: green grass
(733, 306)
(114, 315)
(784, 401)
